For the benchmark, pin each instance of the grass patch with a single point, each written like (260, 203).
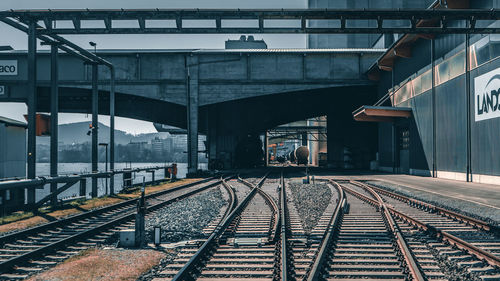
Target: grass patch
(15, 217)
(103, 264)
(24, 219)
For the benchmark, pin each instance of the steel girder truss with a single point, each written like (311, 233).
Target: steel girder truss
(326, 21)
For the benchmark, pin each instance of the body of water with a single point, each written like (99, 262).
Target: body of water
(43, 169)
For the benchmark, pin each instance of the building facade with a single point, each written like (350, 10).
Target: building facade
(12, 161)
(451, 83)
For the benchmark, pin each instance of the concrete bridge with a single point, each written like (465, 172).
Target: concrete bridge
(225, 94)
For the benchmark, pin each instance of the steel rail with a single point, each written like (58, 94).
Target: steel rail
(61, 222)
(452, 239)
(285, 266)
(7, 265)
(319, 261)
(185, 273)
(271, 203)
(473, 221)
(408, 256)
(233, 200)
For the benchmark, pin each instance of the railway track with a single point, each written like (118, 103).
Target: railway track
(443, 244)
(244, 245)
(363, 242)
(33, 250)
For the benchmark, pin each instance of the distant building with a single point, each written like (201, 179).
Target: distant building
(179, 142)
(12, 161)
(137, 148)
(161, 146)
(246, 43)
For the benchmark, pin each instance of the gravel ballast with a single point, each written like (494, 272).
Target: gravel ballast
(310, 200)
(485, 213)
(185, 219)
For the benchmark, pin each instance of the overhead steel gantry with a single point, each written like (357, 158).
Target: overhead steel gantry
(196, 21)
(57, 42)
(225, 21)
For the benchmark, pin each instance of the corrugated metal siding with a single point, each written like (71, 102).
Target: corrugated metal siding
(485, 135)
(451, 126)
(421, 132)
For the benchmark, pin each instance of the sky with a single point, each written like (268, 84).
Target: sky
(18, 40)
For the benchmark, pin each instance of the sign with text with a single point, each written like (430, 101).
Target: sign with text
(2, 90)
(486, 95)
(8, 67)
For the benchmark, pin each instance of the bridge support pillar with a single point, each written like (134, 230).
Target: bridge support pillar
(192, 113)
(95, 107)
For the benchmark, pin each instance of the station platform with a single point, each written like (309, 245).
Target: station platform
(481, 200)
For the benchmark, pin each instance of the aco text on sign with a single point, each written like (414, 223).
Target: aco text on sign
(8, 67)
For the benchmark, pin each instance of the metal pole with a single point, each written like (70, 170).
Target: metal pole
(266, 150)
(32, 103)
(106, 168)
(54, 108)
(112, 130)
(468, 111)
(95, 107)
(433, 93)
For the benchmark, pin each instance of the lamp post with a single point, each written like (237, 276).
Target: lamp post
(93, 44)
(106, 163)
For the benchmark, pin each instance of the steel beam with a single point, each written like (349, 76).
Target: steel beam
(112, 130)
(44, 38)
(32, 103)
(284, 30)
(237, 14)
(94, 129)
(54, 109)
(442, 17)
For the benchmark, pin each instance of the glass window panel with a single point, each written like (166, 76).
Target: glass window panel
(417, 85)
(398, 97)
(457, 65)
(472, 57)
(443, 72)
(407, 91)
(494, 46)
(482, 51)
(426, 80)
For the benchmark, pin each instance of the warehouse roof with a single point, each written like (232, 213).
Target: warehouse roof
(12, 122)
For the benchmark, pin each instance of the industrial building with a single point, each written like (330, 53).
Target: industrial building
(220, 90)
(12, 161)
(448, 83)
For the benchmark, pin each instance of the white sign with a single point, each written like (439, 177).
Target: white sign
(2, 90)
(486, 95)
(8, 67)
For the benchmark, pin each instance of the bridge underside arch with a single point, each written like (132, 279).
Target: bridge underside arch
(79, 100)
(226, 124)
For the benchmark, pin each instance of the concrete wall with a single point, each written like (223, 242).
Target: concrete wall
(222, 75)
